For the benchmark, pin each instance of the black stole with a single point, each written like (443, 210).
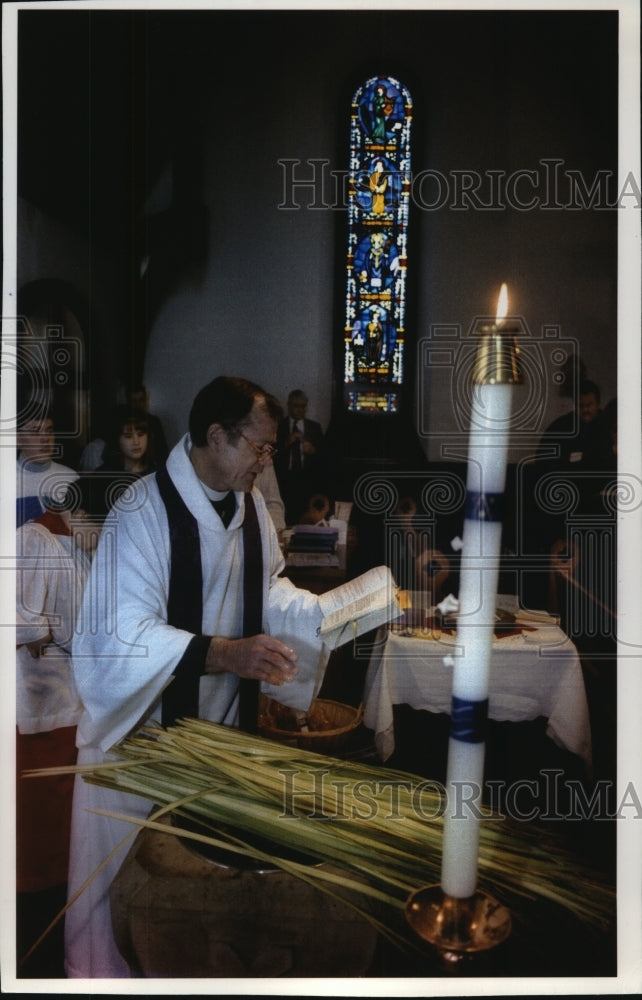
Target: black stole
(185, 602)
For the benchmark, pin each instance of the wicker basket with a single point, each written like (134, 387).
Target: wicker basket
(330, 724)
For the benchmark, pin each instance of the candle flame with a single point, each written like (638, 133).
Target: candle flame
(502, 305)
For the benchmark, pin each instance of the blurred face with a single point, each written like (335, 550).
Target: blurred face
(138, 400)
(85, 531)
(589, 407)
(133, 443)
(36, 440)
(297, 407)
(234, 465)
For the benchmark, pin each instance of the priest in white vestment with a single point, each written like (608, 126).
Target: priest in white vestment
(126, 655)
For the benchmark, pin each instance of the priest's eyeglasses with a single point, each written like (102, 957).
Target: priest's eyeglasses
(263, 452)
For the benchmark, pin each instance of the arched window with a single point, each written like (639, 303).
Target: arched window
(376, 259)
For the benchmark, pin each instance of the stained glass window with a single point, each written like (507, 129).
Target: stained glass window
(376, 262)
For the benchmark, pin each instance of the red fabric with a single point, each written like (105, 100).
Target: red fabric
(43, 809)
(53, 523)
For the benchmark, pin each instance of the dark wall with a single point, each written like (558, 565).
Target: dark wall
(154, 139)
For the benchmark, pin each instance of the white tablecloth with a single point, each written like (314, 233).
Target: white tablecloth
(533, 674)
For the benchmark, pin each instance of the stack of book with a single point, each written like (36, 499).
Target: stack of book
(312, 545)
(313, 538)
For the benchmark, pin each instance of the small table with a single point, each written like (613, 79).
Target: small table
(535, 673)
(317, 572)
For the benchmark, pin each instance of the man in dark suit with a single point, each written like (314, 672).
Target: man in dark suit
(572, 439)
(299, 461)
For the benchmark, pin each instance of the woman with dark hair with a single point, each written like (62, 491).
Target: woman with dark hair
(129, 445)
(129, 451)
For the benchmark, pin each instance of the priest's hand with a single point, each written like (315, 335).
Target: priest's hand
(259, 656)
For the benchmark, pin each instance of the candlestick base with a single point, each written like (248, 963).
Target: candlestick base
(457, 927)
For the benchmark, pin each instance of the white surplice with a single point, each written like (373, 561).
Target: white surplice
(124, 655)
(50, 574)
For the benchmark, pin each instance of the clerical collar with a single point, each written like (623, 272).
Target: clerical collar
(213, 494)
(223, 503)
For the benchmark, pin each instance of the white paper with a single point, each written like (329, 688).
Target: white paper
(341, 527)
(342, 510)
(358, 606)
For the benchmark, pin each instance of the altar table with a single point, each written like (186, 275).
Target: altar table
(534, 673)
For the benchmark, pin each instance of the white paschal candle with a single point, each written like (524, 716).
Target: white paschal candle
(496, 373)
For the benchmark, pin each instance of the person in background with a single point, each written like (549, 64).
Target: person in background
(571, 450)
(52, 563)
(92, 455)
(129, 450)
(192, 565)
(569, 439)
(138, 399)
(601, 454)
(300, 459)
(38, 477)
(268, 484)
(129, 443)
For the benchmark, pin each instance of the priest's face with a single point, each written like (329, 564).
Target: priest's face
(237, 463)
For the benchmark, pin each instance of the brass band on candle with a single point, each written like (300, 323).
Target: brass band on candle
(484, 506)
(469, 720)
(496, 359)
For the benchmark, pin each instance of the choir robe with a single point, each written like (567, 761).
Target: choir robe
(125, 653)
(51, 571)
(50, 575)
(37, 484)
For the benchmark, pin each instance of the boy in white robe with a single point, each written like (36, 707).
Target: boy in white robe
(126, 654)
(38, 477)
(53, 555)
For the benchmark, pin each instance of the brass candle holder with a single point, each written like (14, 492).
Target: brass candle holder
(459, 928)
(496, 360)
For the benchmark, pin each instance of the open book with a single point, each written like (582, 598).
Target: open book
(357, 606)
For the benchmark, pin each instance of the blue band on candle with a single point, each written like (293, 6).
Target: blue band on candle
(469, 720)
(484, 506)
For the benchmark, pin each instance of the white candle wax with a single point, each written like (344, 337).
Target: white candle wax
(487, 457)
